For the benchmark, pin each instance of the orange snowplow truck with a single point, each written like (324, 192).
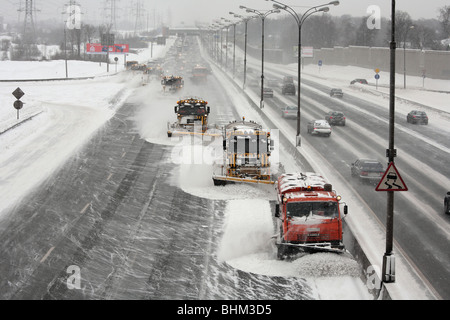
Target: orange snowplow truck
(309, 215)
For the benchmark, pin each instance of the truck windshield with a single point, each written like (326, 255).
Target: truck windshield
(319, 208)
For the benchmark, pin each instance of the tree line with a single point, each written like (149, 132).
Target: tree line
(326, 31)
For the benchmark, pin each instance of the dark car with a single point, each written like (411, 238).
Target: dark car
(362, 81)
(268, 92)
(335, 118)
(367, 170)
(288, 88)
(336, 93)
(447, 203)
(417, 116)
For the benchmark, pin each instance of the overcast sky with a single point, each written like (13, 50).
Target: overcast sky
(176, 11)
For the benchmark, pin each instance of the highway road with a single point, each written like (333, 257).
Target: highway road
(421, 229)
(113, 213)
(111, 224)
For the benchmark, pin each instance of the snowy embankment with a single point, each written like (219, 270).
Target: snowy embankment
(64, 116)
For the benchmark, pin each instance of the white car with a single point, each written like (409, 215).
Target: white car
(289, 112)
(319, 127)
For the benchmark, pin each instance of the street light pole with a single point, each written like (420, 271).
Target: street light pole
(234, 50)
(263, 16)
(404, 56)
(246, 20)
(65, 50)
(388, 272)
(300, 20)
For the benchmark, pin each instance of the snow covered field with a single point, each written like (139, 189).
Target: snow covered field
(68, 112)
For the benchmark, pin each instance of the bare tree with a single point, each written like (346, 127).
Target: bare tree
(403, 22)
(364, 35)
(88, 31)
(444, 19)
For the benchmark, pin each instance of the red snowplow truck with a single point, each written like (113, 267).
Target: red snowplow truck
(308, 215)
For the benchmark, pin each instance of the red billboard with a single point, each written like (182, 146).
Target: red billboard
(97, 48)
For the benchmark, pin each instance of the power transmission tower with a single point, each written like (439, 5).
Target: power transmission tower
(111, 13)
(29, 30)
(138, 12)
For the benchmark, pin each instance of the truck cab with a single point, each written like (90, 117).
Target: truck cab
(308, 215)
(192, 115)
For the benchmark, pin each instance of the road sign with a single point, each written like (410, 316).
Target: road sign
(377, 70)
(97, 48)
(391, 180)
(18, 104)
(377, 76)
(320, 63)
(18, 93)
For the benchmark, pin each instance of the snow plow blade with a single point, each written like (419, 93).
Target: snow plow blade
(191, 133)
(223, 180)
(290, 249)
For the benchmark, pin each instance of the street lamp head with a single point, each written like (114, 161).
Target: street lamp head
(336, 3)
(277, 6)
(231, 12)
(242, 7)
(324, 9)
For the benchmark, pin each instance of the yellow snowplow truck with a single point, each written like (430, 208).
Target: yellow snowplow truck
(247, 148)
(172, 83)
(192, 117)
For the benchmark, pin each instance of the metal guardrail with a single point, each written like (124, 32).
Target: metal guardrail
(20, 122)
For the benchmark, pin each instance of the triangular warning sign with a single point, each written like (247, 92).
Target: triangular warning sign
(391, 181)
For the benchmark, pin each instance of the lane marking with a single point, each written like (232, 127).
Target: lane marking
(109, 177)
(85, 207)
(47, 254)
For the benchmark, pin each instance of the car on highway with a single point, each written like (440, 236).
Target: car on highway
(288, 88)
(416, 116)
(362, 81)
(335, 118)
(336, 93)
(319, 127)
(370, 170)
(268, 92)
(289, 111)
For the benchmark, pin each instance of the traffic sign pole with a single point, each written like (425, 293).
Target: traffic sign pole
(18, 93)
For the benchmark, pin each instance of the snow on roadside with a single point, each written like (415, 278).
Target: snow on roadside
(68, 113)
